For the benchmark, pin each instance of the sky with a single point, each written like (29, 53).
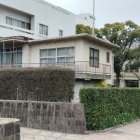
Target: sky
(106, 11)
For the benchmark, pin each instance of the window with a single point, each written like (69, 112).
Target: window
(9, 20)
(65, 55)
(94, 57)
(17, 23)
(132, 83)
(107, 57)
(9, 57)
(60, 33)
(47, 56)
(59, 55)
(43, 29)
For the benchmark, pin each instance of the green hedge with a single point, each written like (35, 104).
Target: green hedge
(38, 84)
(107, 107)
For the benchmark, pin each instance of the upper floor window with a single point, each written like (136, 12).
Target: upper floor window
(107, 57)
(17, 23)
(57, 55)
(94, 57)
(60, 33)
(43, 29)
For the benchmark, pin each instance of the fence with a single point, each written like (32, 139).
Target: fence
(82, 68)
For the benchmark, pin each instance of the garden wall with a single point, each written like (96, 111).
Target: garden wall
(60, 117)
(9, 129)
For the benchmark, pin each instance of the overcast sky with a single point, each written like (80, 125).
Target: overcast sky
(106, 11)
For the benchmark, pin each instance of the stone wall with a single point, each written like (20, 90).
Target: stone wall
(60, 117)
(9, 129)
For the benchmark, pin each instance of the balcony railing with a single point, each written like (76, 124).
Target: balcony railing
(82, 69)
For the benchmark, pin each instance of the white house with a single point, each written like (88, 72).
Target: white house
(38, 19)
(90, 57)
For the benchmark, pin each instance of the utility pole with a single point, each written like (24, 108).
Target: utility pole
(93, 30)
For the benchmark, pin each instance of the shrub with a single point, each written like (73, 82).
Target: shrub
(37, 84)
(102, 84)
(107, 107)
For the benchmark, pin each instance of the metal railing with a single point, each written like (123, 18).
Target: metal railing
(82, 68)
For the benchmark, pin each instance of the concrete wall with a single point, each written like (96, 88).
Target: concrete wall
(4, 11)
(54, 17)
(102, 58)
(35, 49)
(60, 117)
(82, 50)
(9, 129)
(79, 84)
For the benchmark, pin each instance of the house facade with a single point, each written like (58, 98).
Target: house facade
(91, 58)
(128, 79)
(38, 19)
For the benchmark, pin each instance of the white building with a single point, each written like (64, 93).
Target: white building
(90, 57)
(38, 19)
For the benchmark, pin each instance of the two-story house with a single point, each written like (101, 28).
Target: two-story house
(91, 58)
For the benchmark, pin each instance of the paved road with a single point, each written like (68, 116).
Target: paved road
(129, 132)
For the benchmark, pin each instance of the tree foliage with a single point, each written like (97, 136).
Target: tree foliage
(133, 64)
(80, 28)
(123, 34)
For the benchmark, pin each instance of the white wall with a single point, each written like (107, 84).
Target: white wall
(31, 54)
(102, 58)
(12, 13)
(79, 85)
(47, 14)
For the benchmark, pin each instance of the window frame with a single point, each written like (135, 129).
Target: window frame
(107, 57)
(41, 31)
(61, 32)
(57, 56)
(93, 59)
(17, 23)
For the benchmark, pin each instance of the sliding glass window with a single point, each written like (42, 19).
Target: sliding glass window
(18, 23)
(57, 56)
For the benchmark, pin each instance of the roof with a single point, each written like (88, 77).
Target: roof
(74, 37)
(13, 40)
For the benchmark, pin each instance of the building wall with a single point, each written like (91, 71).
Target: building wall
(42, 12)
(102, 58)
(4, 11)
(82, 49)
(35, 49)
(79, 84)
(126, 76)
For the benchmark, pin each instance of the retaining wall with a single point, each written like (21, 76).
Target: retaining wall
(9, 129)
(60, 117)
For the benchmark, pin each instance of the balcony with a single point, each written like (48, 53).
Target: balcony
(8, 30)
(81, 68)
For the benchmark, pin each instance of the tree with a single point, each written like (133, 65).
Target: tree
(80, 28)
(133, 64)
(123, 34)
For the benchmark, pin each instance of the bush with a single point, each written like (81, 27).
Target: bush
(107, 107)
(37, 84)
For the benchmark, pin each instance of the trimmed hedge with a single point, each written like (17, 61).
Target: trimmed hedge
(37, 84)
(107, 107)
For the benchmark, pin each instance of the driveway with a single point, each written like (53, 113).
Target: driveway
(129, 132)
